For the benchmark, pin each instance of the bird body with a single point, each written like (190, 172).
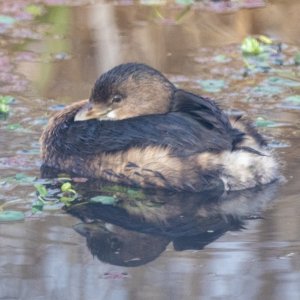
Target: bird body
(175, 140)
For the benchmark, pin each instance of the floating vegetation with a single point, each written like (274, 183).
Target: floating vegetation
(212, 85)
(291, 102)
(295, 99)
(5, 102)
(266, 90)
(124, 192)
(278, 144)
(297, 58)
(251, 46)
(65, 195)
(221, 58)
(261, 53)
(18, 179)
(11, 216)
(105, 200)
(7, 20)
(263, 122)
(278, 81)
(35, 10)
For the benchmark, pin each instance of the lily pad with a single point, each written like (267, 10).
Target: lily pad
(212, 85)
(264, 39)
(4, 105)
(293, 99)
(67, 200)
(266, 90)
(20, 179)
(37, 206)
(297, 58)
(7, 20)
(4, 109)
(106, 200)
(283, 82)
(291, 102)
(184, 2)
(11, 216)
(66, 186)
(135, 194)
(152, 2)
(251, 46)
(17, 127)
(35, 10)
(7, 99)
(262, 122)
(41, 189)
(222, 58)
(25, 179)
(114, 189)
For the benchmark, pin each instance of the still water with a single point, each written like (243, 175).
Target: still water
(243, 245)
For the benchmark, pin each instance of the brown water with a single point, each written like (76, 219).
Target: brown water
(54, 59)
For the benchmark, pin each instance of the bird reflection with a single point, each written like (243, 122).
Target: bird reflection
(139, 226)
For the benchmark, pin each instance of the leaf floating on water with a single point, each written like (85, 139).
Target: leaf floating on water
(66, 186)
(114, 189)
(25, 179)
(262, 122)
(212, 85)
(283, 82)
(37, 206)
(266, 90)
(4, 109)
(291, 102)
(7, 99)
(105, 200)
(153, 2)
(41, 189)
(294, 76)
(67, 200)
(7, 20)
(251, 46)
(184, 2)
(264, 39)
(35, 10)
(297, 58)
(11, 216)
(293, 99)
(4, 105)
(222, 58)
(17, 127)
(135, 194)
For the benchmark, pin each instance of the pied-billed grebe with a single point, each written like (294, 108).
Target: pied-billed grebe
(138, 129)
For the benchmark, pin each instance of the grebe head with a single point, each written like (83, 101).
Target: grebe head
(126, 91)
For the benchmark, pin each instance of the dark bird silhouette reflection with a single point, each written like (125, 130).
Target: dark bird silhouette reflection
(139, 225)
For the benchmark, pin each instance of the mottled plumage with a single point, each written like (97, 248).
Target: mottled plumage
(185, 142)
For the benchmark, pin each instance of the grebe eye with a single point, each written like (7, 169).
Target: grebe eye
(117, 98)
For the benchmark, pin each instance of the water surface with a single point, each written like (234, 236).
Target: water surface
(250, 242)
